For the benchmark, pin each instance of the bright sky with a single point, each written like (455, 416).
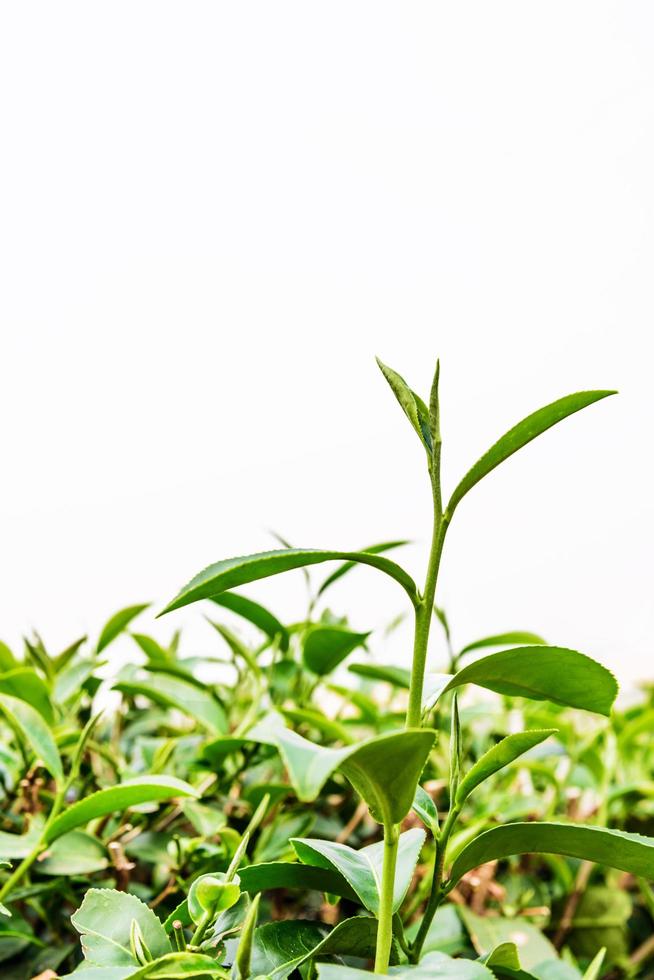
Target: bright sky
(213, 215)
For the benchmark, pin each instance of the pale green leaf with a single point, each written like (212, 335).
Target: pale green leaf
(104, 920)
(118, 622)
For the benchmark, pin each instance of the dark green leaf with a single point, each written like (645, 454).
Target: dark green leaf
(505, 639)
(521, 434)
(325, 647)
(374, 549)
(384, 770)
(282, 874)
(433, 966)
(627, 852)
(363, 868)
(546, 673)
(232, 572)
(256, 614)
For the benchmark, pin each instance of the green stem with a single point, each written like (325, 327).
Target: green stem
(424, 610)
(437, 892)
(203, 925)
(385, 917)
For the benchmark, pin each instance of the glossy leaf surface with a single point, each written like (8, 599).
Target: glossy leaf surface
(375, 549)
(254, 613)
(232, 572)
(555, 674)
(362, 869)
(627, 852)
(522, 434)
(499, 756)
(325, 647)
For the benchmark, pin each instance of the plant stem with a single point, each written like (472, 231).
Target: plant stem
(436, 893)
(424, 610)
(385, 917)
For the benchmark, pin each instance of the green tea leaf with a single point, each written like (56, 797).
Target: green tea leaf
(243, 960)
(504, 640)
(256, 614)
(34, 732)
(397, 676)
(232, 572)
(104, 920)
(178, 966)
(433, 966)
(282, 874)
(413, 407)
(7, 659)
(70, 680)
(132, 792)
(76, 853)
(521, 434)
(363, 868)
(426, 809)
(374, 549)
(384, 770)
(282, 947)
(499, 756)
(18, 846)
(547, 673)
(26, 684)
(185, 696)
(487, 933)
(595, 968)
(118, 622)
(325, 647)
(627, 852)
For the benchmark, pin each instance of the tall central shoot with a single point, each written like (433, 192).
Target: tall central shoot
(426, 422)
(389, 787)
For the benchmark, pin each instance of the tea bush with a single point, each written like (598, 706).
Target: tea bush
(284, 806)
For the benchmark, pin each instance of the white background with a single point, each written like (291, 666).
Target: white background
(213, 215)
